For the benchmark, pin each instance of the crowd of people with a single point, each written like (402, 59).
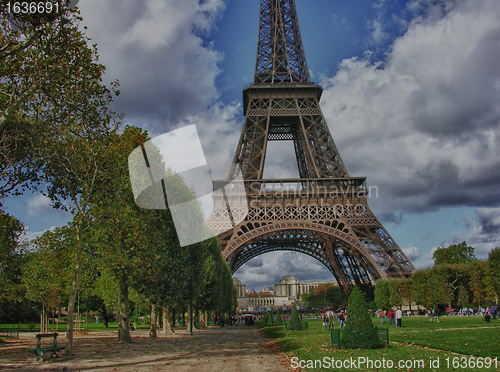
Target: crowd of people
(329, 319)
(395, 317)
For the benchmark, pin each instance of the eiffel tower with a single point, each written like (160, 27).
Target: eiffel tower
(324, 213)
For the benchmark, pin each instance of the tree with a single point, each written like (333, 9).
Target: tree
(12, 259)
(463, 296)
(454, 254)
(279, 321)
(55, 120)
(382, 295)
(123, 234)
(295, 323)
(358, 330)
(48, 273)
(395, 292)
(45, 70)
(493, 267)
(477, 282)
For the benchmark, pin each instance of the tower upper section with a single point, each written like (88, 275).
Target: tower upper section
(280, 54)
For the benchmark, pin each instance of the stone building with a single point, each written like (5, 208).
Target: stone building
(285, 294)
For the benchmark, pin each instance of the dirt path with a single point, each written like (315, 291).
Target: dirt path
(236, 348)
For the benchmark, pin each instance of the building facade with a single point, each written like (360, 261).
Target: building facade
(285, 294)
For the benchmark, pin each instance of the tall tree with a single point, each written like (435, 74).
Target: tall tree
(493, 267)
(454, 254)
(55, 119)
(12, 259)
(122, 233)
(359, 330)
(382, 294)
(48, 273)
(44, 66)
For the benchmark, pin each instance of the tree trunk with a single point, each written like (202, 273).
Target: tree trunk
(167, 328)
(74, 289)
(104, 311)
(191, 319)
(152, 322)
(123, 308)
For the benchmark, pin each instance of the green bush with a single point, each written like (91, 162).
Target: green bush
(270, 318)
(295, 323)
(279, 322)
(359, 331)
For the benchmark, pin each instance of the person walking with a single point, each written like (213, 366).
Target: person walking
(399, 315)
(392, 317)
(341, 319)
(382, 316)
(330, 321)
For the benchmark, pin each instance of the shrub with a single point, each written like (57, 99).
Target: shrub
(295, 323)
(359, 331)
(279, 322)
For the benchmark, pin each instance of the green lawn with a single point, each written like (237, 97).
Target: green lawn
(419, 345)
(61, 327)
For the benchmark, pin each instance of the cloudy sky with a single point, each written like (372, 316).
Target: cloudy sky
(411, 96)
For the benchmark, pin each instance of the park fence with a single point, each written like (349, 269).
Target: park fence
(360, 339)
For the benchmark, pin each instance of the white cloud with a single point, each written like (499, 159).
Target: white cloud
(268, 269)
(153, 47)
(30, 235)
(425, 126)
(38, 204)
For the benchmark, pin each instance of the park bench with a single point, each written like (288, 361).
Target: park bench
(39, 351)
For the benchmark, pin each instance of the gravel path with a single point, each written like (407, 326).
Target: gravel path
(236, 348)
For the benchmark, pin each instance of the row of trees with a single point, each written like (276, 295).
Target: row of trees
(59, 135)
(326, 294)
(457, 279)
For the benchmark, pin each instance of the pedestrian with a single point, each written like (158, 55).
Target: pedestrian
(392, 317)
(330, 321)
(382, 316)
(341, 319)
(399, 315)
(437, 313)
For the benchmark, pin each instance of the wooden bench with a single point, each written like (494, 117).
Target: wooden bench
(39, 351)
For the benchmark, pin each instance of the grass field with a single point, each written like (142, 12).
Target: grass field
(61, 327)
(453, 344)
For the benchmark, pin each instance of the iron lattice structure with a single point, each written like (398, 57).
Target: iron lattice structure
(324, 213)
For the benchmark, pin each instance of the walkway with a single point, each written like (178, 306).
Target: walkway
(236, 348)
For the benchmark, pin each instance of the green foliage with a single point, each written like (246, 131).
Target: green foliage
(48, 273)
(453, 285)
(382, 296)
(13, 305)
(50, 85)
(359, 331)
(493, 267)
(454, 254)
(295, 323)
(325, 295)
(279, 321)
(400, 292)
